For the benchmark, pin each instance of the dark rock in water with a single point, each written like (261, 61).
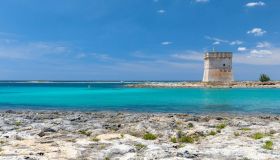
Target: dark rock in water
(11, 111)
(41, 134)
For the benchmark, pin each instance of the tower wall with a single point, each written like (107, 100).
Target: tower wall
(218, 67)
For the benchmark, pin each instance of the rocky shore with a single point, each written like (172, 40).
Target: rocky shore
(243, 84)
(40, 135)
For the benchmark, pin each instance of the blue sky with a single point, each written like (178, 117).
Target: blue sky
(136, 39)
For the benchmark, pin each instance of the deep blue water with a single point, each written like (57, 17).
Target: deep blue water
(116, 97)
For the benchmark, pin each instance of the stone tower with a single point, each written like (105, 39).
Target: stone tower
(218, 67)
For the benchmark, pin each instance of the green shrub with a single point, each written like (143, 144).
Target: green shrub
(268, 145)
(221, 126)
(94, 139)
(85, 132)
(212, 133)
(173, 140)
(258, 135)
(236, 134)
(149, 136)
(264, 78)
(190, 125)
(186, 139)
(18, 123)
(245, 129)
(139, 146)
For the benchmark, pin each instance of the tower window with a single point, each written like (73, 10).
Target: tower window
(224, 65)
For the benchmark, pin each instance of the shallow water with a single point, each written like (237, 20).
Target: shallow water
(116, 97)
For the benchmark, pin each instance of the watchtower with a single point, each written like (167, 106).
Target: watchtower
(218, 67)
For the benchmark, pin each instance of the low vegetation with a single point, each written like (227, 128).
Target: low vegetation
(149, 136)
(18, 123)
(94, 139)
(264, 78)
(173, 140)
(85, 132)
(190, 125)
(258, 135)
(221, 126)
(245, 129)
(236, 134)
(140, 146)
(268, 145)
(186, 139)
(212, 133)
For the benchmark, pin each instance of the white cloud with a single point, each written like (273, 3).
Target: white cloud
(31, 50)
(161, 11)
(263, 45)
(241, 49)
(217, 41)
(256, 32)
(255, 4)
(236, 42)
(189, 55)
(260, 52)
(201, 1)
(166, 43)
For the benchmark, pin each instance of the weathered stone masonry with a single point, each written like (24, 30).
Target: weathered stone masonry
(218, 67)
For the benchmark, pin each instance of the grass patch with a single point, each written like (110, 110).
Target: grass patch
(149, 136)
(139, 146)
(268, 145)
(94, 139)
(190, 125)
(186, 139)
(18, 123)
(258, 135)
(221, 126)
(173, 140)
(85, 132)
(236, 134)
(212, 133)
(245, 129)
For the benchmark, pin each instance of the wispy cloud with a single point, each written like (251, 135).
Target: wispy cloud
(263, 45)
(256, 32)
(217, 41)
(188, 55)
(241, 49)
(255, 4)
(31, 50)
(236, 42)
(202, 1)
(165, 43)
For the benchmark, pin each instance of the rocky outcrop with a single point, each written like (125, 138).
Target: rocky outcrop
(44, 135)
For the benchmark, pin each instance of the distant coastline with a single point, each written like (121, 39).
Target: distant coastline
(238, 84)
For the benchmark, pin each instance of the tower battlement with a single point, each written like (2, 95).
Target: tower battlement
(218, 55)
(218, 67)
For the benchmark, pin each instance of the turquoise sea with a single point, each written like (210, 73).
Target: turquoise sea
(102, 96)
